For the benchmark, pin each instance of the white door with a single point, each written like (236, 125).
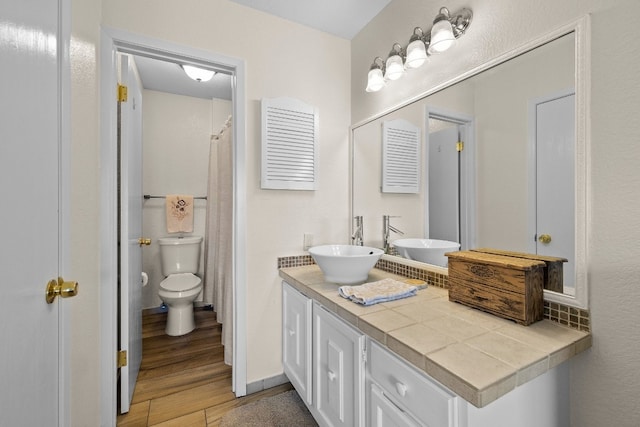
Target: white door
(444, 181)
(130, 148)
(555, 178)
(30, 108)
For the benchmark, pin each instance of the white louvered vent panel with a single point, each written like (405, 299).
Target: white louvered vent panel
(400, 157)
(289, 144)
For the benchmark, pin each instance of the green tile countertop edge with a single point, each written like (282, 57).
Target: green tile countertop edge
(478, 356)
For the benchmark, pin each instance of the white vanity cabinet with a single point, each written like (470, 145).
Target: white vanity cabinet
(296, 341)
(323, 357)
(399, 395)
(349, 379)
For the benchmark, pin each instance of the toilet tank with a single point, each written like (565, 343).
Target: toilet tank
(180, 254)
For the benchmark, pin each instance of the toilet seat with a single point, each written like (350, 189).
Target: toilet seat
(180, 282)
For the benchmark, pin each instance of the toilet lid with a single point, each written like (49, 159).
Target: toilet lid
(180, 282)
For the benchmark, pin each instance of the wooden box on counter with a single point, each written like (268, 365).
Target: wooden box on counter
(506, 286)
(553, 272)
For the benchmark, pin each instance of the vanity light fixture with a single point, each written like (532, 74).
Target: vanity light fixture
(198, 74)
(417, 49)
(442, 36)
(375, 81)
(395, 63)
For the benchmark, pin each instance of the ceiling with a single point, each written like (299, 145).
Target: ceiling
(168, 77)
(342, 18)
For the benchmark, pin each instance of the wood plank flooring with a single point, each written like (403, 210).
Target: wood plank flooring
(183, 381)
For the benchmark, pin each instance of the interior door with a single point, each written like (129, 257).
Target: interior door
(444, 181)
(130, 149)
(555, 178)
(30, 191)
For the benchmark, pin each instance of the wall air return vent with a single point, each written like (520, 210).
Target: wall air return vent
(289, 145)
(400, 157)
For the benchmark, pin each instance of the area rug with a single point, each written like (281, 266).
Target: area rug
(282, 410)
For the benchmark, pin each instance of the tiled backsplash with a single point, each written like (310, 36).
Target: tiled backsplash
(570, 316)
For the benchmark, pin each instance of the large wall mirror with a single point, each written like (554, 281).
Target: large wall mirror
(519, 181)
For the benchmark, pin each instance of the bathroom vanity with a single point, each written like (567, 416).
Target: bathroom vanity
(420, 361)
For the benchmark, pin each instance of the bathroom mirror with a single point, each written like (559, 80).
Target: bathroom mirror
(493, 112)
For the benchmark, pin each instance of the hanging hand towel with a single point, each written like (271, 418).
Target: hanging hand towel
(179, 213)
(376, 292)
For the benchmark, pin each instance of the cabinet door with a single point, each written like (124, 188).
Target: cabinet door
(383, 413)
(338, 370)
(296, 340)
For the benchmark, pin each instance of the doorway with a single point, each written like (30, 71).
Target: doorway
(450, 177)
(113, 42)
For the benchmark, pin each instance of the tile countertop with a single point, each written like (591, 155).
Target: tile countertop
(478, 356)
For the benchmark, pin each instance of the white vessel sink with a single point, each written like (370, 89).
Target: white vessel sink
(430, 251)
(345, 264)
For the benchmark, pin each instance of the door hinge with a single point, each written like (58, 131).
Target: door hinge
(122, 93)
(122, 358)
(459, 146)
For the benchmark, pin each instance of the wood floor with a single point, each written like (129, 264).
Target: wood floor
(183, 381)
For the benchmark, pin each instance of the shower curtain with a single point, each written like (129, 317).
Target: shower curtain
(218, 281)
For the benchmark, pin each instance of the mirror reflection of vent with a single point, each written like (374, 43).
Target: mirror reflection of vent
(400, 157)
(289, 144)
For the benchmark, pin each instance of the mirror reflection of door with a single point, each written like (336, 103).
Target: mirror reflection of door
(554, 169)
(444, 183)
(450, 194)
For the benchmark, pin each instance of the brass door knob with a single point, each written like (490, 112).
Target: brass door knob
(544, 238)
(144, 241)
(61, 288)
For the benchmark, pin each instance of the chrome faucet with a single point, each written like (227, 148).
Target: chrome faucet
(357, 238)
(387, 228)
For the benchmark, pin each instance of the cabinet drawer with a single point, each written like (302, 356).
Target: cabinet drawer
(430, 403)
(383, 413)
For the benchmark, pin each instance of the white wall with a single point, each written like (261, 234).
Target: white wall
(176, 138)
(605, 379)
(282, 59)
(84, 222)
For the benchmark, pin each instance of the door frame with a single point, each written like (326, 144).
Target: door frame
(113, 40)
(64, 207)
(467, 197)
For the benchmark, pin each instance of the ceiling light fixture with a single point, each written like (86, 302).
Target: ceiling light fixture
(442, 36)
(198, 74)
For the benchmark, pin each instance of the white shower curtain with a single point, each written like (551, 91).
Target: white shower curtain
(218, 281)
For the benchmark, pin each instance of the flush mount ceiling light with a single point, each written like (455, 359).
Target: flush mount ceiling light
(442, 36)
(198, 74)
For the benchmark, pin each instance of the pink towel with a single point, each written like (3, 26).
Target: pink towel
(179, 213)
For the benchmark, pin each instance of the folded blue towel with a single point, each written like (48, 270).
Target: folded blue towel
(376, 292)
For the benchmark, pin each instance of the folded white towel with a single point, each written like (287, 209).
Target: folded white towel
(376, 292)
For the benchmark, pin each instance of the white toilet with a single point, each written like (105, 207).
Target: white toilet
(180, 258)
